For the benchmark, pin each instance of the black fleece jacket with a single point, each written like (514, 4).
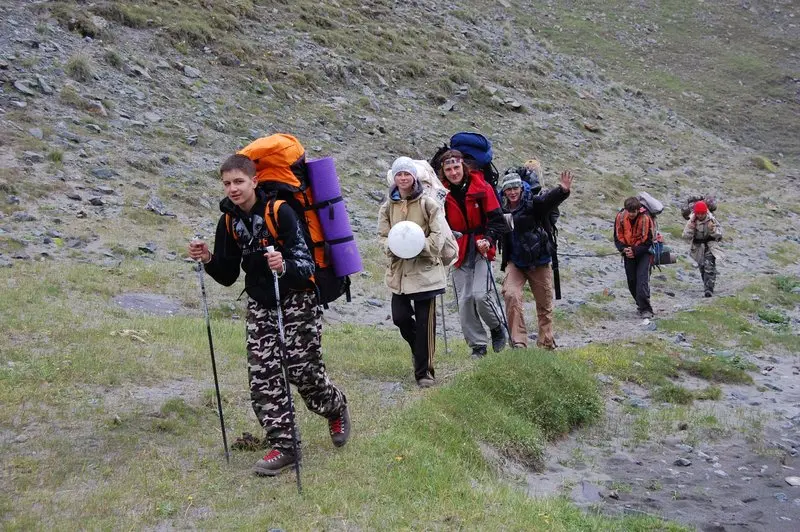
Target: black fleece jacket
(247, 249)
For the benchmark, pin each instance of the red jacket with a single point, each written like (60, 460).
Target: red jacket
(483, 215)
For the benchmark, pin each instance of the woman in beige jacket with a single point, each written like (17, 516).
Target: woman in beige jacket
(415, 282)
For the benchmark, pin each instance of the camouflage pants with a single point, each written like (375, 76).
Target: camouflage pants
(708, 270)
(302, 329)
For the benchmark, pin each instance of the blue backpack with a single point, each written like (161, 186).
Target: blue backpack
(478, 150)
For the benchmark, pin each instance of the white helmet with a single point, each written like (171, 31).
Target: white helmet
(406, 239)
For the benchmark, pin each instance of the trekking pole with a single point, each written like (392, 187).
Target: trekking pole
(213, 359)
(284, 363)
(444, 327)
(497, 295)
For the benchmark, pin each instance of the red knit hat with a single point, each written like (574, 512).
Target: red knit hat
(700, 207)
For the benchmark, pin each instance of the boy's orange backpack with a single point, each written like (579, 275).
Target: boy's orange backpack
(281, 167)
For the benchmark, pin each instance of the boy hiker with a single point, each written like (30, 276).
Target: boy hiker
(472, 209)
(415, 282)
(633, 236)
(242, 237)
(704, 231)
(527, 254)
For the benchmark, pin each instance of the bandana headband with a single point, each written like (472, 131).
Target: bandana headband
(453, 160)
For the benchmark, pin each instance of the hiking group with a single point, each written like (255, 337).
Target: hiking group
(284, 223)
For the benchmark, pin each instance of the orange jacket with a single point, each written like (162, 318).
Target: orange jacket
(636, 234)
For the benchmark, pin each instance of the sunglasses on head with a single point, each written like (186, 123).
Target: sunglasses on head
(453, 160)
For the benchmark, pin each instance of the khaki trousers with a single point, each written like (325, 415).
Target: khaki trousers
(540, 279)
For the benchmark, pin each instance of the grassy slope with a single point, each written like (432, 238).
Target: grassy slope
(731, 68)
(121, 430)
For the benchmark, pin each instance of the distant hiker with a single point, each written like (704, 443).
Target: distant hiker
(472, 210)
(633, 237)
(704, 231)
(415, 282)
(527, 254)
(244, 211)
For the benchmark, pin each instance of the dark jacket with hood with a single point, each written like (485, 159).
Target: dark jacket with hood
(242, 239)
(529, 244)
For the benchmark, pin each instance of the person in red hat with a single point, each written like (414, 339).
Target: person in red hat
(704, 231)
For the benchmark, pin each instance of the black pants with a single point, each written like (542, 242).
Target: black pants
(637, 270)
(417, 323)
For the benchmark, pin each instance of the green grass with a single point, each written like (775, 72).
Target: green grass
(123, 431)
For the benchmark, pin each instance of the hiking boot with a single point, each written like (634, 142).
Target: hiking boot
(425, 383)
(709, 293)
(646, 314)
(499, 339)
(479, 351)
(274, 462)
(339, 428)
(519, 345)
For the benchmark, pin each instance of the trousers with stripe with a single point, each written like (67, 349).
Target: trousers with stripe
(302, 326)
(417, 323)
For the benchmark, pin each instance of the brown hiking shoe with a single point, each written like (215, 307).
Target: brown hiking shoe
(339, 427)
(274, 462)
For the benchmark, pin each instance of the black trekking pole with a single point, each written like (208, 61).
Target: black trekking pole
(284, 363)
(497, 295)
(213, 359)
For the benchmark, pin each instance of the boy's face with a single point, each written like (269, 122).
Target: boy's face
(632, 214)
(700, 217)
(239, 187)
(512, 194)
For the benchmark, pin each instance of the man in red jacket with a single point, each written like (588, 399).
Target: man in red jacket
(472, 209)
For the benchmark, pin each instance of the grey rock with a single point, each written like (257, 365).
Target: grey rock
(103, 173)
(155, 205)
(32, 157)
(793, 481)
(377, 195)
(152, 117)
(682, 462)
(97, 201)
(148, 247)
(447, 106)
(23, 217)
(375, 302)
(782, 497)
(23, 87)
(36, 133)
(191, 72)
(43, 86)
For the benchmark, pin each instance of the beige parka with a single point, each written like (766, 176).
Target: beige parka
(424, 272)
(704, 234)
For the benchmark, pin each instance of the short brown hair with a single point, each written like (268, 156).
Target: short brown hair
(633, 204)
(238, 162)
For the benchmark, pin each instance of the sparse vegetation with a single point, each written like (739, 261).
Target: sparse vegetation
(79, 68)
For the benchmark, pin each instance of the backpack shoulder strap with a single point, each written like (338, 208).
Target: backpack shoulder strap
(270, 217)
(229, 227)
